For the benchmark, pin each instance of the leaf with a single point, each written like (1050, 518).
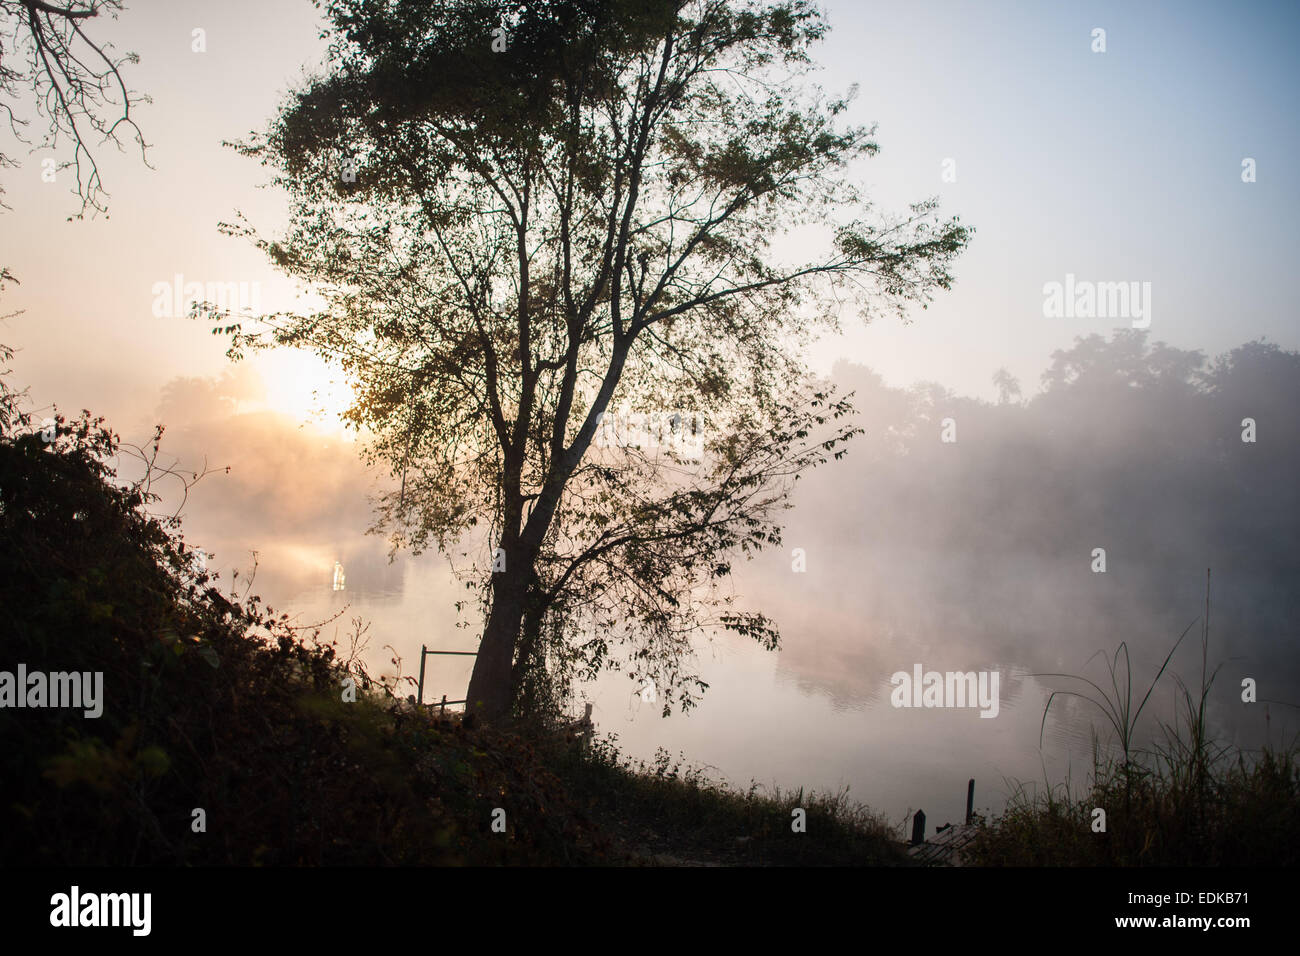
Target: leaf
(153, 761)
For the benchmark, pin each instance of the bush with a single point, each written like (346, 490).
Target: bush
(212, 702)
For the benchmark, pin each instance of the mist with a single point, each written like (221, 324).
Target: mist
(974, 554)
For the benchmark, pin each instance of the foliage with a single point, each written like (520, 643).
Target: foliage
(514, 245)
(1248, 815)
(1186, 801)
(211, 701)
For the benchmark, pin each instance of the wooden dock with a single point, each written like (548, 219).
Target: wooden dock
(944, 848)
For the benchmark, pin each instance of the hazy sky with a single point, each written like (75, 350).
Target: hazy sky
(1115, 166)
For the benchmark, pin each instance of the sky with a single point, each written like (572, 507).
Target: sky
(1117, 166)
(1122, 165)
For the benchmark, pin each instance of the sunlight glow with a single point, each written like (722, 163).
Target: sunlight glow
(301, 385)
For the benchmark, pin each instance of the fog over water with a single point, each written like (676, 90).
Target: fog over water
(968, 555)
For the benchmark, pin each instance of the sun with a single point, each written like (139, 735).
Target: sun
(302, 386)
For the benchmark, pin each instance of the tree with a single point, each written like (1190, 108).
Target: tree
(75, 81)
(639, 536)
(516, 245)
(72, 79)
(1007, 386)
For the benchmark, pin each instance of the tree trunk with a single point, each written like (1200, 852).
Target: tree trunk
(530, 638)
(490, 684)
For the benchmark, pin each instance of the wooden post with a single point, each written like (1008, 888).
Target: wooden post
(588, 728)
(419, 694)
(918, 828)
(970, 800)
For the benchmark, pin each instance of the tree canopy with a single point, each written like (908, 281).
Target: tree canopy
(529, 221)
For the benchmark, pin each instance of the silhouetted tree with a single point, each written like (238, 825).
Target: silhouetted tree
(525, 216)
(75, 81)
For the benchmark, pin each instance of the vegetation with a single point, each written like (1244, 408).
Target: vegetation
(513, 239)
(517, 237)
(673, 814)
(212, 702)
(54, 54)
(1184, 801)
(209, 701)
(1245, 814)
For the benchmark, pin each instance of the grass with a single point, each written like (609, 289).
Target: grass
(1185, 801)
(662, 811)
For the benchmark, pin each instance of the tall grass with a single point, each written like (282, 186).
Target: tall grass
(1186, 800)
